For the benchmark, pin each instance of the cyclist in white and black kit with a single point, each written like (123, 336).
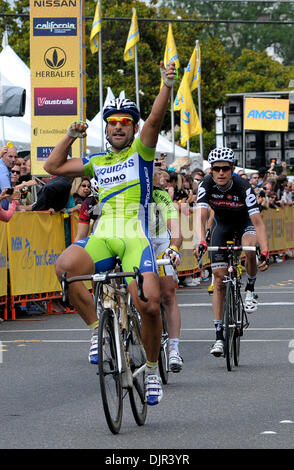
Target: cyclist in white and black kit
(236, 211)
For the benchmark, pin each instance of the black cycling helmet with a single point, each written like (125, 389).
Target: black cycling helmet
(121, 105)
(221, 154)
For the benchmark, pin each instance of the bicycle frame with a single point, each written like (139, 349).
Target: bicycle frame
(234, 311)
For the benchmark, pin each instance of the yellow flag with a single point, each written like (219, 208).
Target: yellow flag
(170, 53)
(192, 75)
(190, 124)
(133, 38)
(197, 70)
(96, 28)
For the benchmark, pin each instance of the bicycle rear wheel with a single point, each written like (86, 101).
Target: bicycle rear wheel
(163, 359)
(229, 326)
(137, 360)
(109, 375)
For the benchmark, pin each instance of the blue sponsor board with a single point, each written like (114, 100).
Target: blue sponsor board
(44, 152)
(55, 26)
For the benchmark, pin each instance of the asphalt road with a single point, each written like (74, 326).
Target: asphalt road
(50, 397)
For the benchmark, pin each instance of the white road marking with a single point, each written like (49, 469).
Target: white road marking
(259, 304)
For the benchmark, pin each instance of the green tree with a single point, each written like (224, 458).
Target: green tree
(238, 36)
(256, 71)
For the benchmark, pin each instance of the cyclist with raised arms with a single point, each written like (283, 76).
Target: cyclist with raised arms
(124, 178)
(235, 212)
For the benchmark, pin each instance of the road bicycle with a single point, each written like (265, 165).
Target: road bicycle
(122, 357)
(235, 319)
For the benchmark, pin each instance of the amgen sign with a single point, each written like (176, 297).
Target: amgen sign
(266, 114)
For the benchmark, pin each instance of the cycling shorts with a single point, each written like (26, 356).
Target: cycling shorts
(223, 232)
(120, 237)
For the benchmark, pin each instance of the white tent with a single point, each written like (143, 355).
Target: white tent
(14, 72)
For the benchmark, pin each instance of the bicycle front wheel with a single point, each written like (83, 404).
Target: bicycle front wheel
(109, 375)
(229, 325)
(239, 328)
(137, 363)
(163, 359)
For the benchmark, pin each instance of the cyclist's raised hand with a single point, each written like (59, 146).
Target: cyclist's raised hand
(263, 261)
(77, 129)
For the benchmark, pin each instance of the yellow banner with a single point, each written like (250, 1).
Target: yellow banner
(3, 258)
(35, 240)
(266, 114)
(57, 62)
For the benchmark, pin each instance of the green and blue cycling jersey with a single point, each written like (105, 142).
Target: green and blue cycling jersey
(125, 194)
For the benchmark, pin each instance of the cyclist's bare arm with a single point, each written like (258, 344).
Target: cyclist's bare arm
(151, 128)
(57, 163)
(173, 226)
(201, 221)
(261, 237)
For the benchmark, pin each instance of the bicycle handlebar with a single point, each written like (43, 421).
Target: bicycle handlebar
(234, 248)
(103, 277)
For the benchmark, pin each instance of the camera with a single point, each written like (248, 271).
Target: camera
(9, 191)
(24, 191)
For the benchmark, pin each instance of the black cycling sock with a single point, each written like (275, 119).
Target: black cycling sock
(219, 330)
(250, 283)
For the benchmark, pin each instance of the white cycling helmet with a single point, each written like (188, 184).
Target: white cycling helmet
(221, 154)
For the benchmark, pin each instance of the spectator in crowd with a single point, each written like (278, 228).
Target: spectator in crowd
(90, 211)
(26, 176)
(53, 195)
(83, 190)
(287, 197)
(15, 175)
(175, 189)
(254, 180)
(282, 181)
(181, 164)
(262, 176)
(23, 168)
(162, 179)
(197, 175)
(160, 162)
(8, 156)
(273, 203)
(12, 195)
(262, 200)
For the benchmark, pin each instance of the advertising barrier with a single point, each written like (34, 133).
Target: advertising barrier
(3, 259)
(32, 241)
(35, 240)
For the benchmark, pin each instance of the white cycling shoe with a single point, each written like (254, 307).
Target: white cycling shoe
(175, 361)
(250, 303)
(217, 349)
(153, 389)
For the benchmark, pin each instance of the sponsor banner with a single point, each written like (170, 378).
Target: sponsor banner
(3, 258)
(55, 26)
(55, 101)
(35, 240)
(57, 62)
(266, 114)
